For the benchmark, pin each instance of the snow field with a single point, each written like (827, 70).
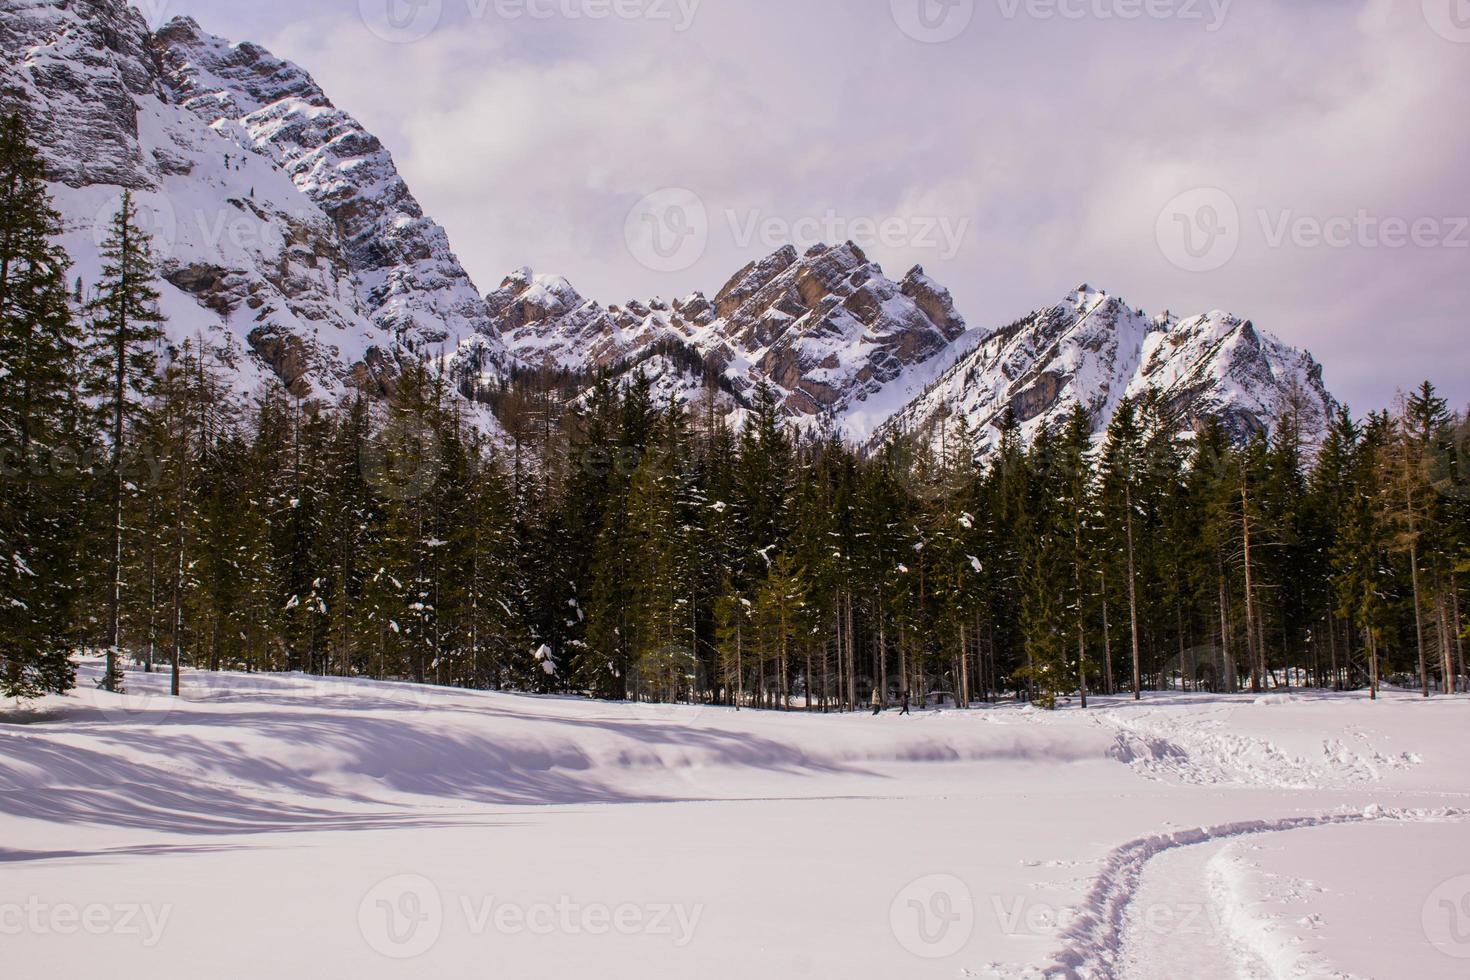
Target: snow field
(326, 827)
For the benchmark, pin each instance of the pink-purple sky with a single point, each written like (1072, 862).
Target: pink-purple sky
(1047, 143)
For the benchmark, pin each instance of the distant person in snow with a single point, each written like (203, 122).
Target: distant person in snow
(877, 703)
(905, 710)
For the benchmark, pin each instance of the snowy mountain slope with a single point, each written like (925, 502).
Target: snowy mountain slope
(288, 243)
(406, 274)
(1094, 349)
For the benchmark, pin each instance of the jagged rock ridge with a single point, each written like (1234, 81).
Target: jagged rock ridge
(835, 337)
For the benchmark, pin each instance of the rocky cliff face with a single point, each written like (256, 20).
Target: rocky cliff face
(1094, 349)
(406, 274)
(286, 237)
(835, 337)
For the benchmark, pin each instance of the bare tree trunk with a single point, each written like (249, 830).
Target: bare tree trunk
(1414, 565)
(1133, 596)
(882, 655)
(1332, 649)
(1179, 625)
(1252, 637)
(1446, 649)
(1459, 629)
(851, 659)
(178, 615)
(841, 658)
(1232, 670)
(807, 678)
(1081, 623)
(962, 688)
(114, 599)
(739, 661)
(1418, 604)
(785, 669)
(152, 606)
(760, 680)
(903, 663)
(1373, 662)
(1107, 639)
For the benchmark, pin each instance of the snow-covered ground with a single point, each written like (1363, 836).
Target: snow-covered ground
(288, 826)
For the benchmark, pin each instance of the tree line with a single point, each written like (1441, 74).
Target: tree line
(609, 545)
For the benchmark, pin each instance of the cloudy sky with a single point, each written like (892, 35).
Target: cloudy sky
(1304, 163)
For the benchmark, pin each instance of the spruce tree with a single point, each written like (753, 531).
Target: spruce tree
(125, 329)
(781, 621)
(1074, 508)
(40, 512)
(1122, 460)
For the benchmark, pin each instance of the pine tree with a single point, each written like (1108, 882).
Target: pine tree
(1407, 501)
(1074, 507)
(1122, 458)
(40, 517)
(661, 645)
(182, 424)
(1362, 545)
(1331, 493)
(781, 610)
(732, 632)
(1424, 426)
(124, 320)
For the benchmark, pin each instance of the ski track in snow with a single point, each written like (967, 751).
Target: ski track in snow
(1106, 940)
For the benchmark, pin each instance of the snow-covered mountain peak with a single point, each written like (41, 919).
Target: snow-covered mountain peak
(237, 77)
(1093, 349)
(549, 324)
